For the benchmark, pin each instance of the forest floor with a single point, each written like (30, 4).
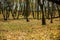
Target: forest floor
(33, 30)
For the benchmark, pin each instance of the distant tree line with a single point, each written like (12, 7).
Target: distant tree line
(40, 9)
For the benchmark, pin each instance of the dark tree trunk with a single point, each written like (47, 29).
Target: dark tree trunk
(43, 17)
(52, 13)
(27, 11)
(33, 12)
(51, 18)
(38, 12)
(18, 14)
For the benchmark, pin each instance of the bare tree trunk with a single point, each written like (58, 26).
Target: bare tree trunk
(38, 12)
(27, 11)
(33, 12)
(43, 17)
(52, 13)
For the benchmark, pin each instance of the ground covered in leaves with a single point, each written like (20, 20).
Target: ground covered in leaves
(33, 30)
